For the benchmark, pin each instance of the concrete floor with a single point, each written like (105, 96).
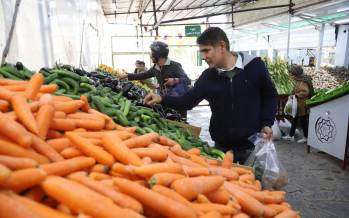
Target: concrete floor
(318, 187)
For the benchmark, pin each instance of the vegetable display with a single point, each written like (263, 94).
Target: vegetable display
(113, 172)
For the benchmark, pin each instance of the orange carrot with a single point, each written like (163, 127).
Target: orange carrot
(177, 149)
(182, 160)
(34, 85)
(36, 193)
(80, 130)
(86, 147)
(149, 170)
(119, 150)
(63, 124)
(53, 134)
(64, 209)
(166, 141)
(49, 88)
(154, 153)
(59, 144)
(222, 209)
(34, 106)
(146, 160)
(174, 196)
(158, 146)
(85, 107)
(265, 197)
(70, 152)
(40, 209)
(12, 208)
(11, 149)
(24, 114)
(65, 167)
(228, 160)
(244, 185)
(16, 163)
(92, 203)
(44, 118)
(212, 214)
(124, 170)
(249, 204)
(4, 172)
(241, 170)
(69, 106)
(191, 187)
(164, 179)
(220, 196)
(60, 114)
(4, 82)
(42, 147)
(287, 214)
(142, 141)
(94, 135)
(4, 105)
(6, 94)
(100, 168)
(202, 199)
(16, 87)
(195, 171)
(61, 98)
(96, 142)
(90, 124)
(20, 180)
(118, 198)
(99, 176)
(194, 151)
(159, 203)
(15, 131)
(198, 159)
(230, 174)
(241, 215)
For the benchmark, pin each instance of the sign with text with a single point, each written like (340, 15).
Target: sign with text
(193, 30)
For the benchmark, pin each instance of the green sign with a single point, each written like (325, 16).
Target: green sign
(192, 30)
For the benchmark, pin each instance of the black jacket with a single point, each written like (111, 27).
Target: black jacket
(240, 106)
(173, 70)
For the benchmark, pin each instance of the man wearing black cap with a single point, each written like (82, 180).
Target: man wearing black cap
(170, 75)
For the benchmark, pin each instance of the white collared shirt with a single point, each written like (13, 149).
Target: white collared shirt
(238, 64)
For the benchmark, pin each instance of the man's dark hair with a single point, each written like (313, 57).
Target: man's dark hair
(296, 70)
(212, 36)
(140, 62)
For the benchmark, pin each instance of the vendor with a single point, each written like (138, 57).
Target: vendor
(241, 95)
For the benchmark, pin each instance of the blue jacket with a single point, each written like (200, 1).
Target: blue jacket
(240, 106)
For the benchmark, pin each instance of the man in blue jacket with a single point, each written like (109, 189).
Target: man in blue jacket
(242, 97)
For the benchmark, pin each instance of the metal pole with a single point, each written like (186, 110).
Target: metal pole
(142, 39)
(289, 32)
(10, 34)
(319, 48)
(155, 19)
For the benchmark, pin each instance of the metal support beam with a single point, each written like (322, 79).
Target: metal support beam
(143, 6)
(229, 12)
(290, 12)
(10, 34)
(176, 9)
(319, 48)
(232, 14)
(155, 20)
(170, 7)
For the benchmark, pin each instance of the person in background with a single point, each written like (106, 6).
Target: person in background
(170, 75)
(240, 92)
(303, 90)
(140, 67)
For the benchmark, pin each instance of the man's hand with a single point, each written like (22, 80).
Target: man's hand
(122, 75)
(152, 99)
(169, 82)
(267, 133)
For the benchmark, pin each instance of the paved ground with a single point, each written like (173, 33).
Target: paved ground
(318, 187)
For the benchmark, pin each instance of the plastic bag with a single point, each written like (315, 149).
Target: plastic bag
(266, 164)
(291, 106)
(276, 130)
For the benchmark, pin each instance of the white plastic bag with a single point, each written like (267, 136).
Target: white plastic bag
(291, 106)
(276, 130)
(266, 164)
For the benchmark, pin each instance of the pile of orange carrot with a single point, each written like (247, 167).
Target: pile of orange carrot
(59, 158)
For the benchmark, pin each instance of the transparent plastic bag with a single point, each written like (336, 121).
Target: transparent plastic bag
(291, 106)
(266, 164)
